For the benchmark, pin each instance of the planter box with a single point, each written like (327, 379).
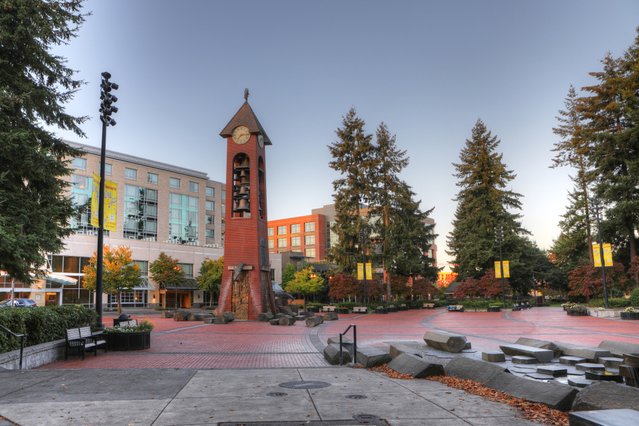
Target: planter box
(577, 314)
(604, 313)
(630, 315)
(494, 308)
(128, 341)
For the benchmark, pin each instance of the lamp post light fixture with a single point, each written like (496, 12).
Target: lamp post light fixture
(596, 208)
(499, 236)
(106, 109)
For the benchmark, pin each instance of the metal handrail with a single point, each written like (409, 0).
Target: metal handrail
(341, 359)
(16, 335)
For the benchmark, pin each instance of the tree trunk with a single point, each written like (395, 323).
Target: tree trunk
(211, 298)
(118, 295)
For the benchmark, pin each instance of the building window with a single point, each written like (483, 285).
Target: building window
(223, 195)
(81, 182)
(130, 173)
(296, 241)
(309, 227)
(108, 169)
(80, 163)
(140, 213)
(210, 233)
(210, 205)
(194, 186)
(144, 267)
(209, 219)
(183, 218)
(271, 244)
(152, 178)
(281, 230)
(310, 252)
(187, 268)
(270, 232)
(295, 228)
(210, 192)
(81, 192)
(309, 240)
(281, 242)
(174, 183)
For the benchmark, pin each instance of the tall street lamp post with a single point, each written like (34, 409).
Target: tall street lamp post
(499, 236)
(596, 207)
(106, 109)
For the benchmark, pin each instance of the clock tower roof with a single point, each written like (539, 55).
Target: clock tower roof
(245, 117)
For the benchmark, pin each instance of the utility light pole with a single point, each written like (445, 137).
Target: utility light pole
(596, 207)
(499, 236)
(106, 109)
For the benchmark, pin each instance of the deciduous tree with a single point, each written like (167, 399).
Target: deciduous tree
(210, 277)
(120, 274)
(305, 282)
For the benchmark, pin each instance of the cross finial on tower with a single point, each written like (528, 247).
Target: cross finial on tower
(246, 94)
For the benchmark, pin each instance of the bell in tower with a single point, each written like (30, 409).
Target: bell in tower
(246, 281)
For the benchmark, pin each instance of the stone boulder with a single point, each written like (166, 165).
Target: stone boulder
(370, 356)
(274, 321)
(415, 366)
(444, 341)
(606, 395)
(286, 320)
(541, 344)
(314, 321)
(265, 316)
(225, 318)
(619, 348)
(331, 354)
(181, 315)
(331, 316)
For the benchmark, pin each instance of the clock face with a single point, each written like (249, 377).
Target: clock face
(260, 141)
(241, 135)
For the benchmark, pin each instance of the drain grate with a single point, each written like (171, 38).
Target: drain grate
(276, 394)
(355, 396)
(303, 384)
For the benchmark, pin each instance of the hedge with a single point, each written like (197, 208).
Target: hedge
(42, 324)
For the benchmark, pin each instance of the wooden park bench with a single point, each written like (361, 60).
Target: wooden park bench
(360, 309)
(428, 306)
(328, 308)
(130, 323)
(96, 337)
(455, 308)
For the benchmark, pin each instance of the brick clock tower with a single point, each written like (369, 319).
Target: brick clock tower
(246, 280)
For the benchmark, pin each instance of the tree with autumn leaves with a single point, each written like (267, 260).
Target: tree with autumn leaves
(119, 275)
(305, 282)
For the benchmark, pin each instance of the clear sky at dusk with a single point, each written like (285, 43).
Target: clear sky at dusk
(427, 69)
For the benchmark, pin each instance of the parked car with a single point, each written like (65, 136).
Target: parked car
(18, 303)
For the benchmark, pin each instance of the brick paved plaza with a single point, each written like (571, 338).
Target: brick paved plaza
(260, 345)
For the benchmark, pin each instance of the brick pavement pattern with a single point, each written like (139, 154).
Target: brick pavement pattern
(260, 345)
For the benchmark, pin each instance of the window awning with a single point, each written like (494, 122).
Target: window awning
(58, 278)
(187, 284)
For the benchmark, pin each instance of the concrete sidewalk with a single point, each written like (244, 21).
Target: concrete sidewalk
(343, 396)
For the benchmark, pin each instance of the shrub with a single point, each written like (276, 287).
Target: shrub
(42, 324)
(142, 326)
(613, 302)
(634, 297)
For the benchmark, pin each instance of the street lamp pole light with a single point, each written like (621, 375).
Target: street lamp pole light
(499, 235)
(596, 206)
(106, 109)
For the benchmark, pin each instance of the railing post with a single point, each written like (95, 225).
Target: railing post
(341, 361)
(354, 344)
(21, 349)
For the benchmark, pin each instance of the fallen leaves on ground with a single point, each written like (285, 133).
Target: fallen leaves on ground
(530, 410)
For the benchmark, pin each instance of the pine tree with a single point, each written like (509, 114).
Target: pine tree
(573, 150)
(409, 237)
(34, 86)
(390, 161)
(353, 159)
(571, 247)
(483, 203)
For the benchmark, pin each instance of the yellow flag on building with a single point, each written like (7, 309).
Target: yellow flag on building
(506, 269)
(110, 203)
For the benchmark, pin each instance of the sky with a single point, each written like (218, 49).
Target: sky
(428, 69)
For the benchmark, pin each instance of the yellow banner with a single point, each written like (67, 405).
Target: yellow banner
(360, 271)
(607, 253)
(110, 203)
(506, 269)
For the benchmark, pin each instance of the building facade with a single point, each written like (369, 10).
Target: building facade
(303, 234)
(158, 208)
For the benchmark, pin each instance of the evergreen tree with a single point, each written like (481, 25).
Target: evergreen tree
(573, 150)
(572, 248)
(483, 203)
(408, 237)
(34, 86)
(390, 161)
(354, 160)
(612, 115)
